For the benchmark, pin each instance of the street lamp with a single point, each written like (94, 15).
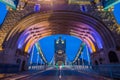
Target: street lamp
(32, 55)
(78, 61)
(37, 58)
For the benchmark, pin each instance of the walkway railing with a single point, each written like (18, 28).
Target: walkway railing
(112, 71)
(37, 67)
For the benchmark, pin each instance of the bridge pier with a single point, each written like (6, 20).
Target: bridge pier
(12, 62)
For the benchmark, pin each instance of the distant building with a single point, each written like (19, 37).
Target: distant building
(60, 48)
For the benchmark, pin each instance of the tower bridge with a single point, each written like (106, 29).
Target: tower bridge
(31, 21)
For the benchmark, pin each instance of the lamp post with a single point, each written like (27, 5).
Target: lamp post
(88, 55)
(37, 58)
(41, 61)
(32, 56)
(82, 60)
(78, 61)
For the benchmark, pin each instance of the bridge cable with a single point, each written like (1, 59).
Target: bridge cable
(41, 53)
(79, 52)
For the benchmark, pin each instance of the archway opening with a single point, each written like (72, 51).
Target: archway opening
(23, 66)
(113, 57)
(48, 48)
(96, 62)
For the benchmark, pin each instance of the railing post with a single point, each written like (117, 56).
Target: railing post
(111, 74)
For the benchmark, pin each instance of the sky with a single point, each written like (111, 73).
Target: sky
(3, 12)
(117, 12)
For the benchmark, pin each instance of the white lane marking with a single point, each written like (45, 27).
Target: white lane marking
(31, 75)
(19, 77)
(60, 76)
(27, 76)
(22, 76)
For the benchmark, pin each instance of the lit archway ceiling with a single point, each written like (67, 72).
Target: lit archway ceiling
(38, 31)
(36, 26)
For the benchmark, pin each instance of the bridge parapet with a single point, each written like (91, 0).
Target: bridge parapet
(37, 67)
(111, 71)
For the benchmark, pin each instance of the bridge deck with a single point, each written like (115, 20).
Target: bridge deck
(56, 74)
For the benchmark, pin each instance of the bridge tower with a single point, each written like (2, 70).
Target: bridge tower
(60, 54)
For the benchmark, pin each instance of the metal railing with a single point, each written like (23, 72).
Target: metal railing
(111, 71)
(37, 67)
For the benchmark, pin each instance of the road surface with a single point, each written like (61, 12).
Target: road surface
(56, 74)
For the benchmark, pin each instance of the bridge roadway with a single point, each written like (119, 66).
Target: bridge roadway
(55, 74)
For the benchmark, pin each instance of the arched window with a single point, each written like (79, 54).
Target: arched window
(100, 60)
(113, 57)
(18, 61)
(23, 66)
(96, 62)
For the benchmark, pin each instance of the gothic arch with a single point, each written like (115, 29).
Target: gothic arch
(61, 22)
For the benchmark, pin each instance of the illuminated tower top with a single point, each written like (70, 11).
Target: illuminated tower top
(60, 45)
